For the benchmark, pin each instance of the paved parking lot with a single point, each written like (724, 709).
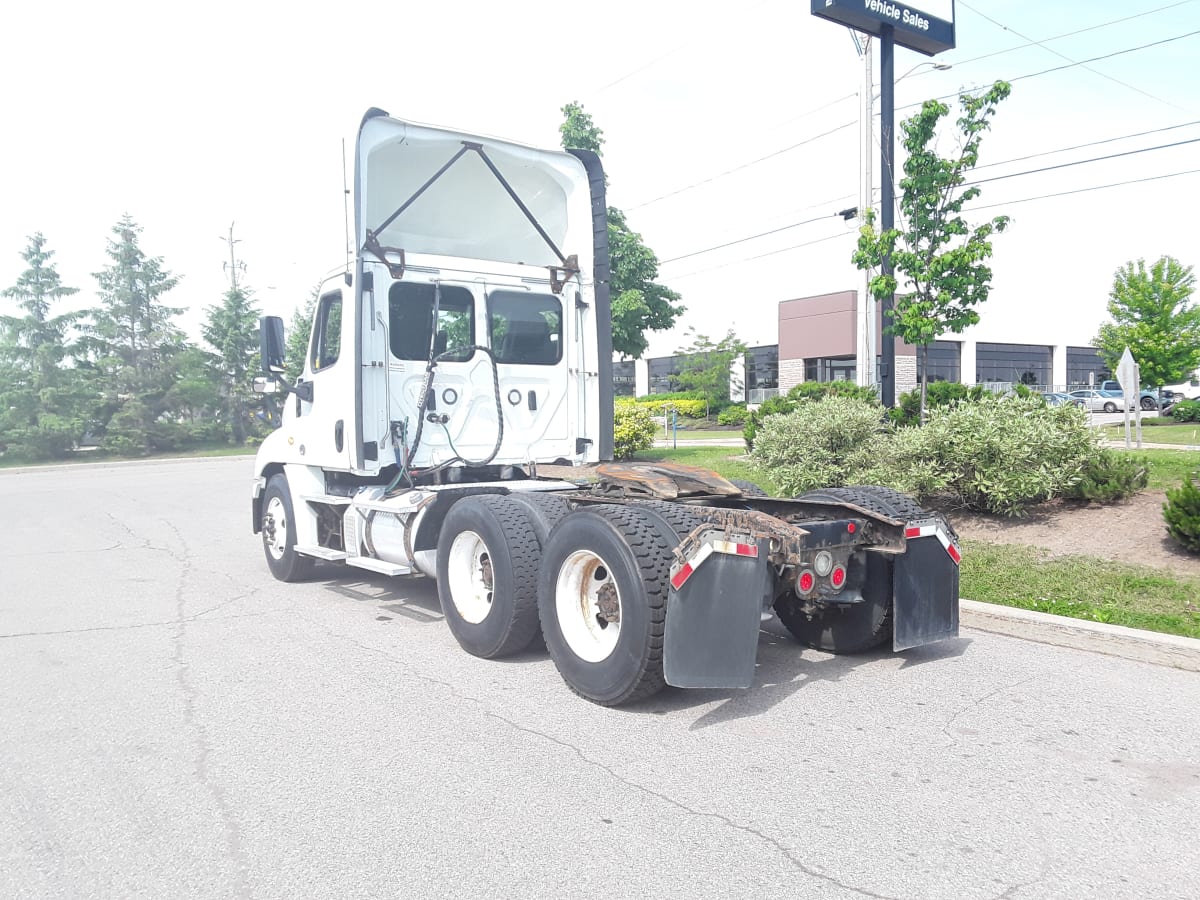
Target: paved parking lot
(175, 723)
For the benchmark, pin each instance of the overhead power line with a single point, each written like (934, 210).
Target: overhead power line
(845, 125)
(1080, 162)
(1110, 140)
(736, 262)
(1088, 68)
(1097, 187)
(1030, 42)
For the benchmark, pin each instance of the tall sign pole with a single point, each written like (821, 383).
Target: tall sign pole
(887, 199)
(868, 376)
(926, 26)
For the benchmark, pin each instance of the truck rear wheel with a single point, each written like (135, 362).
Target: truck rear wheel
(279, 533)
(602, 599)
(487, 564)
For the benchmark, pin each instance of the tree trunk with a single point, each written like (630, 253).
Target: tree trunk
(921, 373)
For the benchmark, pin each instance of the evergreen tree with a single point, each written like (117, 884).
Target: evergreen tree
(40, 398)
(232, 331)
(298, 334)
(132, 341)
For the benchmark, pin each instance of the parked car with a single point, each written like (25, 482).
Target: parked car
(1147, 399)
(1056, 398)
(1099, 401)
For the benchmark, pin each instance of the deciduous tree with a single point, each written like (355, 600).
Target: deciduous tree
(639, 303)
(705, 366)
(940, 261)
(1154, 316)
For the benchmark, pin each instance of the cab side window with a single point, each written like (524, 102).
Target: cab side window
(410, 314)
(327, 332)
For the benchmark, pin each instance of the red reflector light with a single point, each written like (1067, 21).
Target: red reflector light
(912, 532)
(681, 576)
(954, 554)
(806, 581)
(851, 527)
(747, 550)
(838, 576)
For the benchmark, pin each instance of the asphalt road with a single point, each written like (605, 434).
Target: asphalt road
(174, 723)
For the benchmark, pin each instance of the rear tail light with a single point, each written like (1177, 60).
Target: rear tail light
(838, 577)
(806, 582)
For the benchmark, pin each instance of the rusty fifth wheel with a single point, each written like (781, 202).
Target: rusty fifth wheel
(487, 567)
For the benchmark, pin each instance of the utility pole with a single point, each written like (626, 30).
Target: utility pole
(867, 376)
(887, 199)
(233, 267)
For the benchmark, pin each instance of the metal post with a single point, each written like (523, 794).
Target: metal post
(867, 375)
(887, 200)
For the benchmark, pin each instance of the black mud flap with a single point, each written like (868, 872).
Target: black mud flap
(713, 621)
(925, 591)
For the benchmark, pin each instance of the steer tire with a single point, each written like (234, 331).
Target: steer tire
(279, 534)
(597, 549)
(487, 563)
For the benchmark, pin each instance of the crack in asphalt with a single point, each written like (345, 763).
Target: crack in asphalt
(975, 704)
(773, 842)
(183, 674)
(191, 618)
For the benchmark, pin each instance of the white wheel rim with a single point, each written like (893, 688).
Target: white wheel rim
(583, 580)
(470, 577)
(276, 535)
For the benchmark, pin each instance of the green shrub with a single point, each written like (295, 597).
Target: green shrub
(691, 409)
(774, 406)
(819, 443)
(905, 462)
(633, 430)
(1186, 411)
(737, 414)
(1002, 454)
(1109, 476)
(819, 390)
(1182, 512)
(939, 393)
(672, 395)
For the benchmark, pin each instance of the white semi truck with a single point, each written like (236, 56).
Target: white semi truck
(467, 348)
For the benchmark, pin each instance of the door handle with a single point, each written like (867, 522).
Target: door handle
(339, 435)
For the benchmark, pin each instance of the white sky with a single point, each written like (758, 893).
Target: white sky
(190, 117)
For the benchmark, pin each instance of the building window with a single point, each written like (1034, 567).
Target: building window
(625, 378)
(1085, 367)
(1027, 364)
(831, 368)
(762, 367)
(663, 374)
(943, 362)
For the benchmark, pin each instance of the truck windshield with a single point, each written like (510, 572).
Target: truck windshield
(410, 318)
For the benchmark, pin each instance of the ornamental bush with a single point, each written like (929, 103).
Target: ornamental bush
(1186, 411)
(691, 409)
(733, 415)
(819, 444)
(805, 392)
(1182, 512)
(633, 429)
(1003, 454)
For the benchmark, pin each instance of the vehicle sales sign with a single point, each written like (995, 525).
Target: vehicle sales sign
(927, 28)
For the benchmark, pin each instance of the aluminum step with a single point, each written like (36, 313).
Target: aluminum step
(328, 499)
(378, 565)
(322, 552)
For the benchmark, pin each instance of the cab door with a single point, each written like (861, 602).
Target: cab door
(323, 429)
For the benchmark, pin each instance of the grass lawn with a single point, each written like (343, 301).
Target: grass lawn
(1168, 467)
(1186, 433)
(1081, 587)
(726, 461)
(700, 435)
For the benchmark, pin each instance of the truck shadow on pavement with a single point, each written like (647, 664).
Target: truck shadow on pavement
(784, 666)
